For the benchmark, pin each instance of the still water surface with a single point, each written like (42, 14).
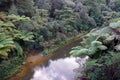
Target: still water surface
(61, 69)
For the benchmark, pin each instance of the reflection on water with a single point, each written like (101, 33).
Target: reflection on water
(61, 69)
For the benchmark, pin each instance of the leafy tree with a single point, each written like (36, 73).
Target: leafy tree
(42, 4)
(117, 5)
(25, 7)
(13, 9)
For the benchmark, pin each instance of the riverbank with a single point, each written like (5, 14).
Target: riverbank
(51, 49)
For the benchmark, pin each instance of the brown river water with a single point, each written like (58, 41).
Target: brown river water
(35, 60)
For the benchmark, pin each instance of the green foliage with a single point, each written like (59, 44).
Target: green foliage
(25, 7)
(92, 63)
(9, 67)
(92, 44)
(13, 9)
(6, 44)
(117, 5)
(9, 35)
(18, 48)
(115, 24)
(22, 35)
(91, 49)
(102, 46)
(15, 18)
(80, 52)
(106, 65)
(54, 20)
(70, 28)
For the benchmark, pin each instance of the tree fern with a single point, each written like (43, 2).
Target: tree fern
(9, 34)
(15, 18)
(87, 41)
(102, 46)
(18, 48)
(6, 44)
(98, 45)
(79, 52)
(91, 63)
(22, 35)
(8, 24)
(88, 50)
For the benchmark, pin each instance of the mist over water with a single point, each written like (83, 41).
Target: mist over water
(61, 69)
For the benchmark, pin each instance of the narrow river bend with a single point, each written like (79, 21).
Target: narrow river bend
(57, 66)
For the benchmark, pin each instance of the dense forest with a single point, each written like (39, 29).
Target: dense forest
(43, 25)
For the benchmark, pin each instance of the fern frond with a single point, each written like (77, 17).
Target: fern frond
(79, 52)
(92, 63)
(6, 44)
(18, 48)
(115, 24)
(117, 47)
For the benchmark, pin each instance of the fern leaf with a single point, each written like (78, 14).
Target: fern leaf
(102, 47)
(115, 24)
(117, 47)
(79, 52)
(18, 48)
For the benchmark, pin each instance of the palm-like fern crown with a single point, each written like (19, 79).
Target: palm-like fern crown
(9, 34)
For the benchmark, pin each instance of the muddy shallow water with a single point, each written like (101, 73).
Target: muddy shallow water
(32, 61)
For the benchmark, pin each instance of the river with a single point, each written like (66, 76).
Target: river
(57, 66)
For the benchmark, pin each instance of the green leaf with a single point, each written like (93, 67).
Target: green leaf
(115, 24)
(18, 48)
(117, 47)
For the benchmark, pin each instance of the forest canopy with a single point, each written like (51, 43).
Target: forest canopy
(41, 24)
